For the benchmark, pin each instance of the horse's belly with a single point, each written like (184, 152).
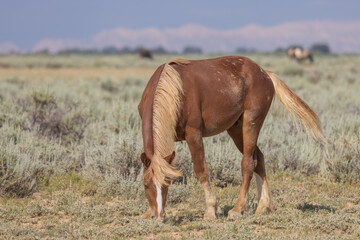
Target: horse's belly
(222, 108)
(221, 114)
(218, 124)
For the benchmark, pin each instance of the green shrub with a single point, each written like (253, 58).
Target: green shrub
(109, 85)
(52, 121)
(292, 70)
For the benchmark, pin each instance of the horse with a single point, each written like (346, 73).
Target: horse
(145, 53)
(188, 100)
(300, 54)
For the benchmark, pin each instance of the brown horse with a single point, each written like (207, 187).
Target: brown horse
(189, 100)
(145, 53)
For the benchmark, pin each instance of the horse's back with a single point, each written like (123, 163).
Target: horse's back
(217, 89)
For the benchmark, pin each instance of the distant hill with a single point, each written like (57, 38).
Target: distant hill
(341, 37)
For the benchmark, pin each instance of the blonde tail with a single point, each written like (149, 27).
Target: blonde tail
(295, 105)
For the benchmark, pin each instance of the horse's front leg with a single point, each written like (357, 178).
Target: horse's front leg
(195, 143)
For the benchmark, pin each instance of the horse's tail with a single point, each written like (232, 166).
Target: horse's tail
(295, 105)
(166, 107)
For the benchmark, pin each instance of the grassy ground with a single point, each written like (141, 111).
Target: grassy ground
(306, 208)
(70, 142)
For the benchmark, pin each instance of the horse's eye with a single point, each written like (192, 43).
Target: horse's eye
(146, 187)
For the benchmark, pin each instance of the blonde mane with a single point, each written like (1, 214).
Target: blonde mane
(166, 106)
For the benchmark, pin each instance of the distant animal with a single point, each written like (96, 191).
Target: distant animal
(190, 100)
(145, 53)
(300, 54)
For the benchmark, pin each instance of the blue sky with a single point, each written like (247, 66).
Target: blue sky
(24, 23)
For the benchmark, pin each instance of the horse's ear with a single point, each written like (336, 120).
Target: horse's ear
(170, 158)
(145, 160)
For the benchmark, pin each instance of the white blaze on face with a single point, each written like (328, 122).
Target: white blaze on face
(158, 197)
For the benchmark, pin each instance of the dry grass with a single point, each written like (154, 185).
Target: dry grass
(306, 208)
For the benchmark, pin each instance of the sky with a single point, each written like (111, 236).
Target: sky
(26, 23)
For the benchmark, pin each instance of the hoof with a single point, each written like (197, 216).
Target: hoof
(263, 209)
(219, 211)
(210, 215)
(161, 219)
(233, 214)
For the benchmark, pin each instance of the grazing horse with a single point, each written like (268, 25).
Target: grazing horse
(189, 100)
(300, 54)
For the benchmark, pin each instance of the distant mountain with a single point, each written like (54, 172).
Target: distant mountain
(7, 47)
(340, 35)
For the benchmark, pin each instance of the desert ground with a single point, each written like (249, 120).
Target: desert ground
(70, 145)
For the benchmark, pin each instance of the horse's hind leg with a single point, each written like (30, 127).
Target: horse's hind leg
(195, 143)
(245, 136)
(265, 206)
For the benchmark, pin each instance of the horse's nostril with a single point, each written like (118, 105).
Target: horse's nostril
(152, 216)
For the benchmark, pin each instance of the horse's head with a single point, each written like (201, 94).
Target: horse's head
(155, 192)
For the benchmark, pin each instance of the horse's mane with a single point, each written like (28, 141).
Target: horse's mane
(166, 106)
